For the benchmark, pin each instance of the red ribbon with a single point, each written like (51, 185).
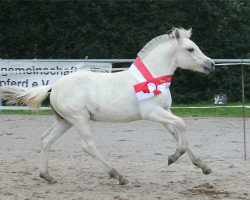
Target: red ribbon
(157, 81)
(149, 78)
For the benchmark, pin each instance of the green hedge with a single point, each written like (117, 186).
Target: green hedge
(119, 29)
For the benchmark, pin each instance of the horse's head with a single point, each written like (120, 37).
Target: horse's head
(188, 55)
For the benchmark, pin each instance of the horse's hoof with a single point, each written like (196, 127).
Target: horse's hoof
(113, 174)
(48, 178)
(207, 171)
(170, 160)
(123, 181)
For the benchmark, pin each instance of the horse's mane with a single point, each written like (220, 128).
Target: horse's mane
(163, 38)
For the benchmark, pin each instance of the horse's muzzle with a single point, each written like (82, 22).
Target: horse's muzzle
(208, 65)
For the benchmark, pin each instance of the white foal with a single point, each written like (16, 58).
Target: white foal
(139, 93)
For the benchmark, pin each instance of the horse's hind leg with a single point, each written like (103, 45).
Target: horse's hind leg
(82, 126)
(195, 160)
(47, 139)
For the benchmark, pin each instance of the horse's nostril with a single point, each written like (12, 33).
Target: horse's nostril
(212, 64)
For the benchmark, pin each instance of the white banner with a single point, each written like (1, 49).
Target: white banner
(33, 73)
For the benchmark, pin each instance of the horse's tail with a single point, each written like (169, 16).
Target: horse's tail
(32, 97)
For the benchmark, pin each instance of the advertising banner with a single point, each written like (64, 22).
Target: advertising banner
(33, 73)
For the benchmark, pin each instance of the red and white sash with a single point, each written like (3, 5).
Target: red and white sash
(148, 86)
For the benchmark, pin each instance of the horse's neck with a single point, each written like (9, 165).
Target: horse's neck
(161, 62)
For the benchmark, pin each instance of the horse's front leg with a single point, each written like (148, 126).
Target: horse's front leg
(178, 125)
(195, 160)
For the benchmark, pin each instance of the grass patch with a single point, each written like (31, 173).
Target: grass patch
(182, 112)
(27, 112)
(210, 112)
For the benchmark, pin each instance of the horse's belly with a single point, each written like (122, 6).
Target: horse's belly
(115, 114)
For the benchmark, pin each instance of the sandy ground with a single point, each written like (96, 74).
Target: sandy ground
(137, 150)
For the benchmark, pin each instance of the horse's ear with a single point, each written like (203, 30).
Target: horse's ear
(177, 34)
(189, 32)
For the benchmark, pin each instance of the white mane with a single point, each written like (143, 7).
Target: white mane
(182, 33)
(152, 44)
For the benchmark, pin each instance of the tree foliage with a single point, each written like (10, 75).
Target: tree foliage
(119, 29)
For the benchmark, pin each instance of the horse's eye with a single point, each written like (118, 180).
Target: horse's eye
(190, 49)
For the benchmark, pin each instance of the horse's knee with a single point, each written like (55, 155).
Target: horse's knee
(89, 148)
(45, 143)
(180, 124)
